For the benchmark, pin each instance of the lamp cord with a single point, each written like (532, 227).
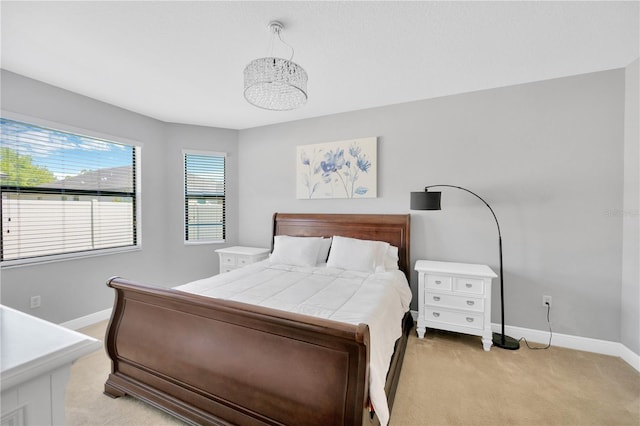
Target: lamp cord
(550, 334)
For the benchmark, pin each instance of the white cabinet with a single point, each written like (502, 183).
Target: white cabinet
(455, 297)
(238, 256)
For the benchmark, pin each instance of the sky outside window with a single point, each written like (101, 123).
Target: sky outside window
(61, 153)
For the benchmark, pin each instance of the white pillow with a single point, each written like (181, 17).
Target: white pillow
(391, 259)
(381, 255)
(357, 255)
(323, 253)
(297, 251)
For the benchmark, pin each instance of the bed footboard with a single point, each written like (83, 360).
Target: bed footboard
(210, 361)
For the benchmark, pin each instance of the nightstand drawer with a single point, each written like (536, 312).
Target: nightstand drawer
(450, 301)
(243, 260)
(438, 282)
(462, 319)
(469, 285)
(228, 259)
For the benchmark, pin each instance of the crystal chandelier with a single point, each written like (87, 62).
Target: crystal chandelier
(275, 84)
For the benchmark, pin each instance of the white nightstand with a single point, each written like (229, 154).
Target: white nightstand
(455, 297)
(237, 257)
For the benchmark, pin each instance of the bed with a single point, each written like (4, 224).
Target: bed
(215, 361)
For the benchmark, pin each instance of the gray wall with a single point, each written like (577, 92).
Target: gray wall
(630, 300)
(547, 156)
(185, 263)
(75, 288)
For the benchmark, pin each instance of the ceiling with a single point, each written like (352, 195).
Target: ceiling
(183, 62)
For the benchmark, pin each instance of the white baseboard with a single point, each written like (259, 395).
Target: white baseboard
(586, 344)
(88, 320)
(630, 357)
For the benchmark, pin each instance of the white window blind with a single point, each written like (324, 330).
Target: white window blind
(204, 197)
(64, 193)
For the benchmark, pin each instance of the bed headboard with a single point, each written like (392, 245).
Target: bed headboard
(392, 228)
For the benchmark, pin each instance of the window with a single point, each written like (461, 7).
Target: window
(204, 197)
(64, 194)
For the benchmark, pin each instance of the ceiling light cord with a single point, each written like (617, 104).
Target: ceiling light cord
(276, 28)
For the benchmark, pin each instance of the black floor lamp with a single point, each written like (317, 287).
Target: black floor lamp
(431, 201)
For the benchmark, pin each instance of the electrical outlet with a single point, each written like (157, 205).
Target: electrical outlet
(546, 300)
(35, 302)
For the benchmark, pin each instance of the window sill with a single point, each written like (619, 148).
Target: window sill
(8, 264)
(201, 243)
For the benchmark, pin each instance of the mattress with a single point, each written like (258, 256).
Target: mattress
(379, 300)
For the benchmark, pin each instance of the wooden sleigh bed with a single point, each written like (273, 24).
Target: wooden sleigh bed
(213, 361)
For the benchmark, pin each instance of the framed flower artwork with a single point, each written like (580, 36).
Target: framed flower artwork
(343, 169)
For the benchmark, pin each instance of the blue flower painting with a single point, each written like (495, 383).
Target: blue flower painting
(344, 169)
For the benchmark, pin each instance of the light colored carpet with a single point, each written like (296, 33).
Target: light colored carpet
(447, 379)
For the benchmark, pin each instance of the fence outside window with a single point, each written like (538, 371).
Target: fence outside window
(64, 193)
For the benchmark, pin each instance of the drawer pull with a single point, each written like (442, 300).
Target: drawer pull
(469, 285)
(436, 314)
(436, 298)
(469, 319)
(470, 302)
(438, 282)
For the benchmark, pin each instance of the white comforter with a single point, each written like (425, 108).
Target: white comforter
(379, 300)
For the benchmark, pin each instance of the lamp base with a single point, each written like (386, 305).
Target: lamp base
(509, 342)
